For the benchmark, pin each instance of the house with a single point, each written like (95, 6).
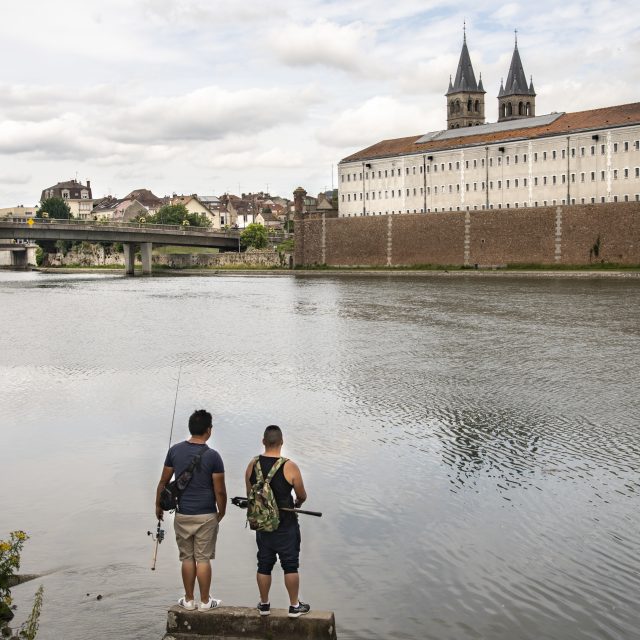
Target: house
(195, 206)
(147, 199)
(77, 196)
(118, 209)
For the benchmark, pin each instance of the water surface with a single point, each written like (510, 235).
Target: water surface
(472, 442)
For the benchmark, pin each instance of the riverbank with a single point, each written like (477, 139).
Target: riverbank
(257, 272)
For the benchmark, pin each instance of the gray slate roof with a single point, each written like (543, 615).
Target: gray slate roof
(516, 84)
(465, 77)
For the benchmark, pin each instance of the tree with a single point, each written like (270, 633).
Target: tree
(54, 208)
(177, 214)
(255, 235)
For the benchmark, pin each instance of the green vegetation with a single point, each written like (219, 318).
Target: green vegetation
(9, 564)
(176, 214)
(184, 250)
(54, 208)
(287, 245)
(255, 235)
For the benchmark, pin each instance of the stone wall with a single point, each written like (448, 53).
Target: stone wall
(87, 255)
(574, 235)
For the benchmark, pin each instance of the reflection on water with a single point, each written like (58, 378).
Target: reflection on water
(473, 444)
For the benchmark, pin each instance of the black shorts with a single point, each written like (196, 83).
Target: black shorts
(284, 543)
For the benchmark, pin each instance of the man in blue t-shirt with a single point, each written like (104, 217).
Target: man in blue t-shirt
(202, 506)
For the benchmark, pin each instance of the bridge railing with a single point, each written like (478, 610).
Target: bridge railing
(110, 224)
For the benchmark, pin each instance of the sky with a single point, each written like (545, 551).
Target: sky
(208, 97)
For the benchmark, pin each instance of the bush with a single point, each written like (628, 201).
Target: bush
(9, 564)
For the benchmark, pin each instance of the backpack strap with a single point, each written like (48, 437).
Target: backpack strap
(196, 460)
(258, 469)
(279, 463)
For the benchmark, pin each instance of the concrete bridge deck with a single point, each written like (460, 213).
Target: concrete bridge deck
(128, 233)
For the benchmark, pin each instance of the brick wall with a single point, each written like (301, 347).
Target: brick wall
(543, 235)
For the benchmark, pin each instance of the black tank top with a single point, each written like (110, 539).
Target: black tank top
(279, 485)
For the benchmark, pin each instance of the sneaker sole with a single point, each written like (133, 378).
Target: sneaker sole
(297, 615)
(265, 613)
(216, 606)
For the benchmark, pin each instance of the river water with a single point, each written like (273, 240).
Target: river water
(473, 443)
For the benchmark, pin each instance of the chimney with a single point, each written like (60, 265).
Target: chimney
(88, 183)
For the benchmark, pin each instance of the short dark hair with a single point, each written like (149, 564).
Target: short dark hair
(272, 435)
(199, 422)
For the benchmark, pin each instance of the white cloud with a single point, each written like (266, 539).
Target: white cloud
(345, 47)
(377, 119)
(207, 114)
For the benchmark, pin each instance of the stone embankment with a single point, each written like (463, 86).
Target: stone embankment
(88, 255)
(246, 623)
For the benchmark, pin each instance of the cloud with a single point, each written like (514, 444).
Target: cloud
(377, 119)
(15, 178)
(345, 47)
(209, 113)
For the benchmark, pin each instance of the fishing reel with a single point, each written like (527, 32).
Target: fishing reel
(159, 534)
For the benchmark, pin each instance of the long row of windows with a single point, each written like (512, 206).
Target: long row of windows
(507, 205)
(455, 166)
(514, 183)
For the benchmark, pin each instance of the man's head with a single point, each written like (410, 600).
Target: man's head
(272, 437)
(200, 422)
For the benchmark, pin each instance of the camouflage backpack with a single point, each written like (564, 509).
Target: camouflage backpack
(262, 510)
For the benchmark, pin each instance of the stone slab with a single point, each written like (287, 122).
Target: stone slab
(245, 623)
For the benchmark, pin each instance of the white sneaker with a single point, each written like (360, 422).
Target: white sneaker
(189, 605)
(212, 604)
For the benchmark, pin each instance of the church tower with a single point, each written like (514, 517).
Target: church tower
(465, 97)
(516, 99)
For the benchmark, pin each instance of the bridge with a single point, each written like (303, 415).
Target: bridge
(129, 234)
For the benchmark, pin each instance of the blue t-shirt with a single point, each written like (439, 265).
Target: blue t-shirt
(198, 498)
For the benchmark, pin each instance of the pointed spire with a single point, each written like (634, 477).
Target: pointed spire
(450, 85)
(531, 89)
(465, 77)
(501, 92)
(516, 80)
(480, 87)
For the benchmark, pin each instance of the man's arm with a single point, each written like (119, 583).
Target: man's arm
(293, 476)
(220, 491)
(247, 478)
(167, 472)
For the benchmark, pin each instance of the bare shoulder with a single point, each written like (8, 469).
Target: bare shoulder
(291, 469)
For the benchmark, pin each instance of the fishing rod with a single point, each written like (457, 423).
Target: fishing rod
(159, 535)
(157, 538)
(244, 502)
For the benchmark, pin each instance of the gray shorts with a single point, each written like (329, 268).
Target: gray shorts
(196, 536)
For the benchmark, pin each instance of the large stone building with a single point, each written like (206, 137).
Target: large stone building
(522, 160)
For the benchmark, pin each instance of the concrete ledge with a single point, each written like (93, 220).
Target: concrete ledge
(14, 581)
(236, 623)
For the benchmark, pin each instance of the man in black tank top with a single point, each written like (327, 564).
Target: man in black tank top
(284, 542)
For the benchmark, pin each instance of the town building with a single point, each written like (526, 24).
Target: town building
(75, 194)
(522, 160)
(196, 206)
(118, 209)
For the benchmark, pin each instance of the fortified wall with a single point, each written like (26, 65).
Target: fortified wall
(561, 235)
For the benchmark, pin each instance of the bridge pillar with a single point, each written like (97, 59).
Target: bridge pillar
(146, 249)
(129, 257)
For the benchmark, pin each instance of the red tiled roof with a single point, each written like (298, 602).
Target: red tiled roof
(608, 117)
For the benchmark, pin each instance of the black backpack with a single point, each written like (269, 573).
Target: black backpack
(170, 496)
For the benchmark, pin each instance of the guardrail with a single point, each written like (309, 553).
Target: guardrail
(138, 226)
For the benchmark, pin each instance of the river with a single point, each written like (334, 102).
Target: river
(472, 442)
